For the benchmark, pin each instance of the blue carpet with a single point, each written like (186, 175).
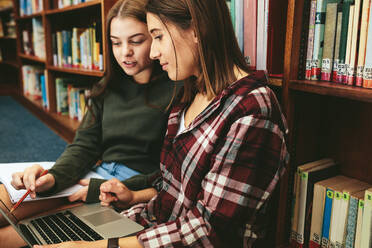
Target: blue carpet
(23, 137)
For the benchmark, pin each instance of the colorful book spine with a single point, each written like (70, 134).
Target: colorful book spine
(366, 238)
(321, 6)
(351, 72)
(348, 45)
(343, 41)
(250, 29)
(362, 42)
(327, 217)
(367, 72)
(358, 230)
(351, 222)
(310, 41)
(329, 39)
(337, 42)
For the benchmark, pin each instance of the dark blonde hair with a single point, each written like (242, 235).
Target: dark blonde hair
(219, 52)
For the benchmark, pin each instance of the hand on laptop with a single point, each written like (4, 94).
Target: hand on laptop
(114, 192)
(30, 179)
(81, 194)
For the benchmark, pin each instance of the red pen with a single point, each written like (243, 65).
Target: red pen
(26, 194)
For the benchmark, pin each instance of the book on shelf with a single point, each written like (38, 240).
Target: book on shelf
(328, 222)
(337, 42)
(340, 210)
(38, 38)
(1, 28)
(351, 69)
(29, 7)
(329, 39)
(359, 222)
(316, 66)
(320, 208)
(352, 218)
(343, 41)
(310, 41)
(362, 42)
(348, 45)
(250, 32)
(31, 81)
(367, 71)
(366, 235)
(306, 175)
(27, 43)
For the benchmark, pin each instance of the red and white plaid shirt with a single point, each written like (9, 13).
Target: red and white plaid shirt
(217, 174)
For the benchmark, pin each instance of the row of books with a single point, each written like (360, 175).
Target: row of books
(7, 26)
(328, 209)
(35, 83)
(66, 3)
(259, 29)
(33, 39)
(78, 48)
(339, 41)
(71, 98)
(29, 7)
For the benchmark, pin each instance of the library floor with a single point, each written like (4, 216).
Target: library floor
(23, 137)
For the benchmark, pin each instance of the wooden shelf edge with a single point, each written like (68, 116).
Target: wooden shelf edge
(93, 73)
(6, 9)
(61, 125)
(8, 38)
(276, 81)
(26, 17)
(10, 63)
(73, 7)
(332, 89)
(31, 57)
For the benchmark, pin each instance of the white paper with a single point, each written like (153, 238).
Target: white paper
(7, 169)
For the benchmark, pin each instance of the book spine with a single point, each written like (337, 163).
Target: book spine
(295, 204)
(358, 230)
(362, 42)
(310, 41)
(317, 214)
(329, 41)
(327, 217)
(367, 72)
(337, 43)
(250, 29)
(367, 220)
(343, 41)
(318, 39)
(351, 222)
(348, 45)
(354, 41)
(302, 207)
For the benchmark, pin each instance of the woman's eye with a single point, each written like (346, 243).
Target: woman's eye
(115, 43)
(137, 42)
(158, 37)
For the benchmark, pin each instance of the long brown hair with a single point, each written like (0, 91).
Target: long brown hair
(219, 52)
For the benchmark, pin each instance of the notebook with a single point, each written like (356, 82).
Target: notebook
(7, 169)
(87, 222)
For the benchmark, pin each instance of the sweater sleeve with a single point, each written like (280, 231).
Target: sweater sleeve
(82, 154)
(134, 183)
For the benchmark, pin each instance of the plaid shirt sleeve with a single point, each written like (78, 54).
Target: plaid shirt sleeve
(244, 171)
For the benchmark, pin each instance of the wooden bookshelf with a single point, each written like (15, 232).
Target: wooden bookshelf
(54, 19)
(325, 120)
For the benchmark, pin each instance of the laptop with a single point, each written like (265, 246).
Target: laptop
(87, 222)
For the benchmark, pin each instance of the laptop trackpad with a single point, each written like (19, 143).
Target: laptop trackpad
(100, 218)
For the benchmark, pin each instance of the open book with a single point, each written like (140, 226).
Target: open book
(7, 169)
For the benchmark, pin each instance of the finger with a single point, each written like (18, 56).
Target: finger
(74, 197)
(79, 195)
(84, 182)
(44, 183)
(17, 180)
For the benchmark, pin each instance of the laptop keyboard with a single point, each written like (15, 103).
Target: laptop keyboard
(62, 227)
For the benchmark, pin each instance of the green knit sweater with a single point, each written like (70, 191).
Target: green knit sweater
(126, 124)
